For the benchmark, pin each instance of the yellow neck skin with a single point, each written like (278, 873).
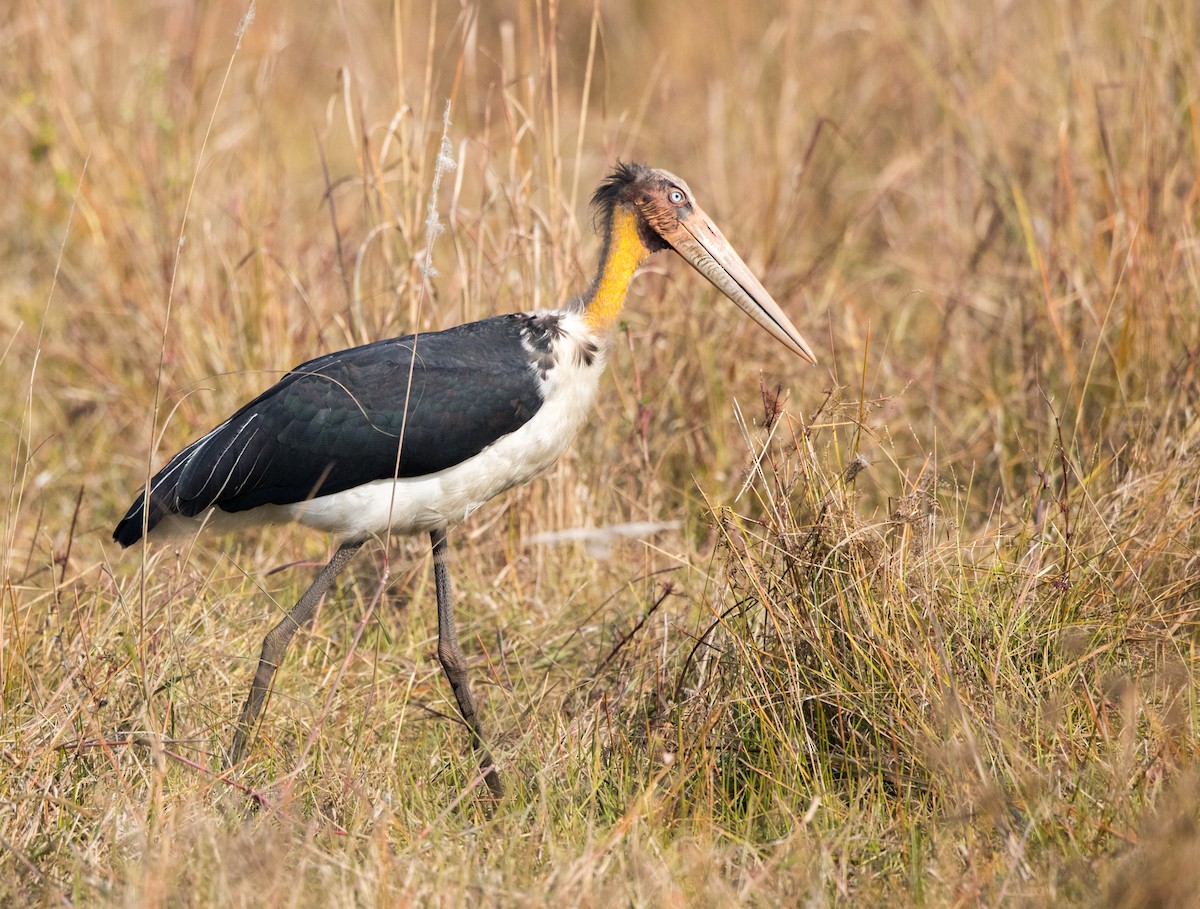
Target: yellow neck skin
(623, 254)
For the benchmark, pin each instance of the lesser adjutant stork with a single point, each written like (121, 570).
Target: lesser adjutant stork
(412, 434)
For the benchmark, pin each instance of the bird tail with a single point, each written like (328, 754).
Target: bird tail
(162, 500)
(129, 529)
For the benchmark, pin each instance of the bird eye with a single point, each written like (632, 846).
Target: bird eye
(676, 197)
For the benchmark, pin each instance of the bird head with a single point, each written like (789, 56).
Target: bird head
(669, 217)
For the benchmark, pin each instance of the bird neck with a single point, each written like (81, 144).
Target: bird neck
(624, 251)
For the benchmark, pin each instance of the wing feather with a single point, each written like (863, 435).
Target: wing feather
(351, 417)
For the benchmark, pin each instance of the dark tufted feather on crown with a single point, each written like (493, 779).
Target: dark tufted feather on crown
(617, 184)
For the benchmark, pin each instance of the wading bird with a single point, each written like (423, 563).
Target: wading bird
(412, 434)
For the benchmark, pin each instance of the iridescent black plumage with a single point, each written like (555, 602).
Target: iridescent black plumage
(351, 417)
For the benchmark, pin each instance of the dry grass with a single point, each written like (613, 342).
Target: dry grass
(926, 632)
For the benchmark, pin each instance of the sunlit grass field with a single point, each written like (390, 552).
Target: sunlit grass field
(916, 627)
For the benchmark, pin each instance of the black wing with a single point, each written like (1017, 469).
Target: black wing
(341, 420)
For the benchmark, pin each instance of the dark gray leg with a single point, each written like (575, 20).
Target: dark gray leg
(276, 642)
(454, 664)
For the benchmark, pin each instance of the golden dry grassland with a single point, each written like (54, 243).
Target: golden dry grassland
(920, 625)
